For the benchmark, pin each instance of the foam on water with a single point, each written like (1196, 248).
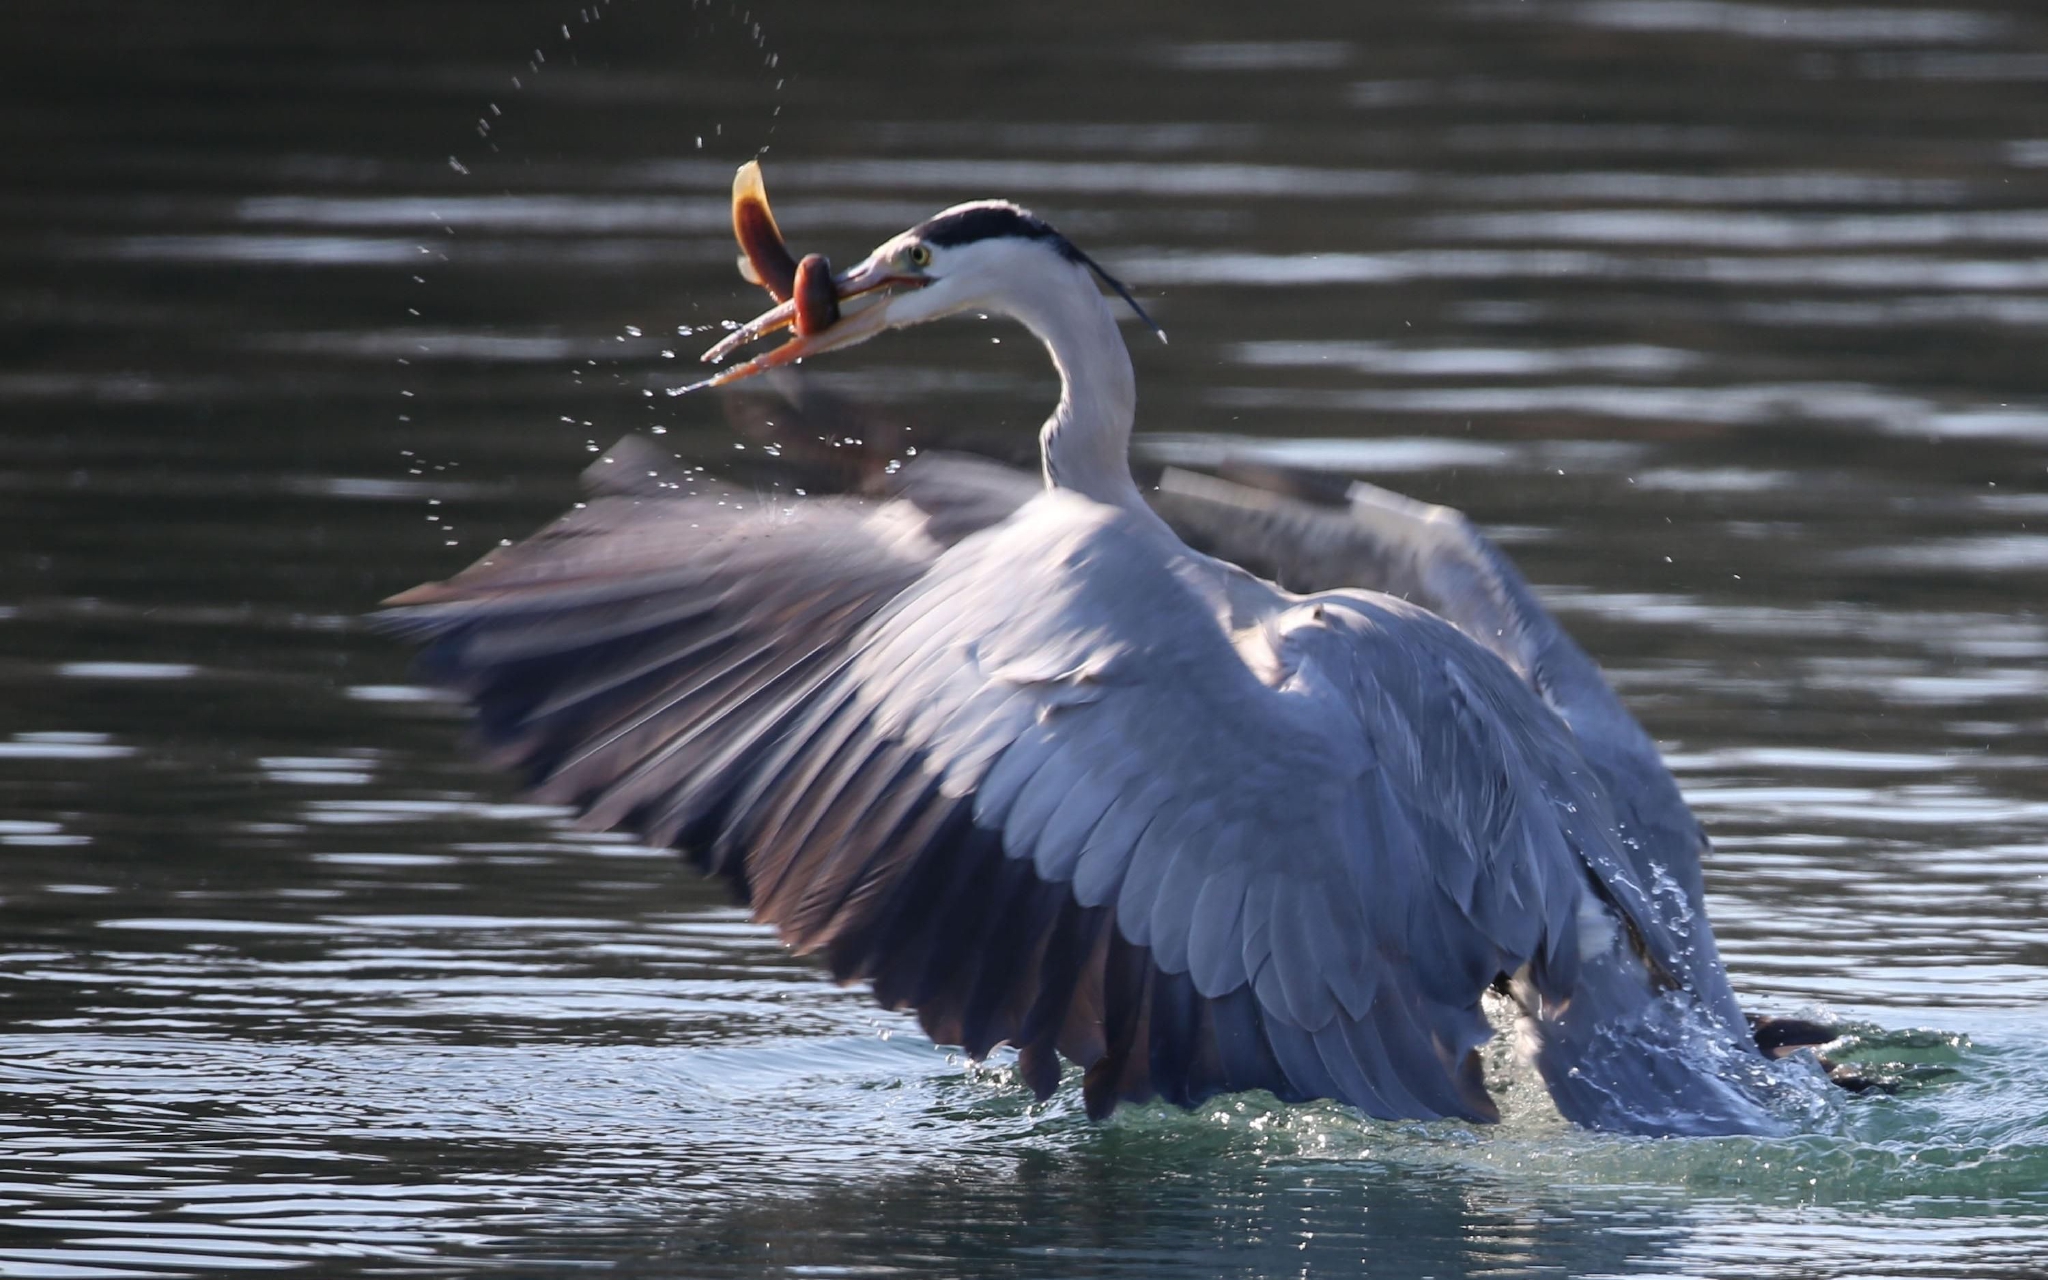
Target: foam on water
(1749, 380)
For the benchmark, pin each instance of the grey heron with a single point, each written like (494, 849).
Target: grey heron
(1025, 762)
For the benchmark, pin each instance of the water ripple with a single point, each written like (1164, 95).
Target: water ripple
(1748, 377)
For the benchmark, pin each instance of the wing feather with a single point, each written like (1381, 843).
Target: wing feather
(1056, 845)
(1028, 786)
(1216, 930)
(1437, 558)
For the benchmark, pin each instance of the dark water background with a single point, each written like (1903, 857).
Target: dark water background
(1727, 318)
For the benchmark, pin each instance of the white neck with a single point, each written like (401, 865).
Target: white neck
(1086, 442)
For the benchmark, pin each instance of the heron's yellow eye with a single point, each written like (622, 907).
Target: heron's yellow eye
(918, 255)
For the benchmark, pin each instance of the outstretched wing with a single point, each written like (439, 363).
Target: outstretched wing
(638, 641)
(1029, 788)
(1436, 558)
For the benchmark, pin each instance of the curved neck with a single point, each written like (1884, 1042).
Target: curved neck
(1085, 444)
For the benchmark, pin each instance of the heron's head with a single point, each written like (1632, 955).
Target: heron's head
(972, 257)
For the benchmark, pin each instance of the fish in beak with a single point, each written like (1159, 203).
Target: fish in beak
(828, 312)
(860, 298)
(825, 311)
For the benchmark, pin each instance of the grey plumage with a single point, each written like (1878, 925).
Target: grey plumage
(1026, 763)
(840, 711)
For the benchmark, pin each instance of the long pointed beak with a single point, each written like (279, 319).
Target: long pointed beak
(864, 296)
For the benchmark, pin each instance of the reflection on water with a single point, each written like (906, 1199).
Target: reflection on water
(1725, 316)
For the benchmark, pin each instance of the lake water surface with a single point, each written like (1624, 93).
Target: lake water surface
(1726, 318)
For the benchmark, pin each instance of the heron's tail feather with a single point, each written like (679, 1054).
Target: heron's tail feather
(1625, 1056)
